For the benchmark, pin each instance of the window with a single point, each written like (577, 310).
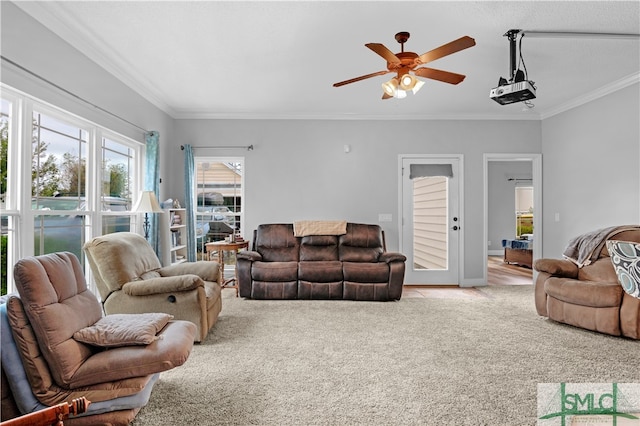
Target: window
(524, 210)
(7, 208)
(218, 199)
(117, 168)
(58, 184)
(77, 181)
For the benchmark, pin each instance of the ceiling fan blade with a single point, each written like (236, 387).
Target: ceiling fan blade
(385, 96)
(383, 51)
(447, 49)
(445, 76)
(362, 77)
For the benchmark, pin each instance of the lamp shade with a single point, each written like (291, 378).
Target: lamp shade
(390, 87)
(147, 203)
(407, 82)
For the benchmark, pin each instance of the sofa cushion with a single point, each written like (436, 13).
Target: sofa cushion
(323, 290)
(162, 285)
(171, 350)
(625, 258)
(597, 294)
(205, 269)
(320, 271)
(366, 291)
(274, 290)
(361, 243)
(360, 272)
(274, 271)
(123, 257)
(562, 267)
(53, 289)
(123, 330)
(318, 248)
(276, 243)
(599, 270)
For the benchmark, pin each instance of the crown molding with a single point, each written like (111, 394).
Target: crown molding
(593, 95)
(65, 25)
(204, 115)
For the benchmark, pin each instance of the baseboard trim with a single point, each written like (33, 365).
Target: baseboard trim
(495, 252)
(474, 282)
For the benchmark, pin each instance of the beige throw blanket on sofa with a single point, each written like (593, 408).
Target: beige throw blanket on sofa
(303, 228)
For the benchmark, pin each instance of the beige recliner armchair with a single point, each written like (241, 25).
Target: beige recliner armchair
(131, 279)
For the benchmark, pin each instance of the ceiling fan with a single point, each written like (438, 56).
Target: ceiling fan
(403, 63)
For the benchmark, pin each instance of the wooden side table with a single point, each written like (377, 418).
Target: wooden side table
(220, 247)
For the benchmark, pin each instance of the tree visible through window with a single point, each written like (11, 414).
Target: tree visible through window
(524, 210)
(80, 186)
(5, 109)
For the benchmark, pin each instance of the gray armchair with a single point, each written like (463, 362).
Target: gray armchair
(131, 279)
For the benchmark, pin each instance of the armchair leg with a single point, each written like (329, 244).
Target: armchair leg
(230, 283)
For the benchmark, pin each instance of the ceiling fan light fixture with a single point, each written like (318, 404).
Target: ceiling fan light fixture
(405, 62)
(390, 87)
(417, 86)
(400, 94)
(408, 82)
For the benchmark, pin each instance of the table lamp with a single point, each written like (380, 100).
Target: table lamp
(147, 203)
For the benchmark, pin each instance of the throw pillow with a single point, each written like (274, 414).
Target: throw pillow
(123, 330)
(625, 256)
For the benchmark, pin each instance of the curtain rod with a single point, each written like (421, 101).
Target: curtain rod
(71, 93)
(248, 147)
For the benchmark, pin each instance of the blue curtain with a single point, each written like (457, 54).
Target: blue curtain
(152, 183)
(189, 176)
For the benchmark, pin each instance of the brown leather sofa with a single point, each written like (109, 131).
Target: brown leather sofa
(589, 297)
(352, 266)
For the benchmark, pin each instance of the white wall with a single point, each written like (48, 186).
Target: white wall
(591, 177)
(299, 170)
(32, 46)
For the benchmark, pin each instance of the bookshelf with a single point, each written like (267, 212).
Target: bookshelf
(174, 233)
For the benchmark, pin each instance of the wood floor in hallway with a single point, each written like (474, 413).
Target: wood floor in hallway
(498, 273)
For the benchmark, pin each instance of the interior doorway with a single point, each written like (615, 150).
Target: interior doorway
(510, 182)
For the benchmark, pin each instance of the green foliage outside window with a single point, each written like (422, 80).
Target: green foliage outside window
(3, 265)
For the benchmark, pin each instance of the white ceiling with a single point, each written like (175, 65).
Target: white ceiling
(265, 59)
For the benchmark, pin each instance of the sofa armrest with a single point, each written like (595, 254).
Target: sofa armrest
(558, 267)
(207, 270)
(389, 257)
(252, 256)
(162, 285)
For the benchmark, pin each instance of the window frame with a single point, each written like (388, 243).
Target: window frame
(19, 194)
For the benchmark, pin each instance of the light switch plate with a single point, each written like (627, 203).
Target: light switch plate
(385, 217)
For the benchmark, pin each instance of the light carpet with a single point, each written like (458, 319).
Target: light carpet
(418, 361)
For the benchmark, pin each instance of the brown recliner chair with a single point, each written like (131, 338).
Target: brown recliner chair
(589, 297)
(131, 279)
(50, 323)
